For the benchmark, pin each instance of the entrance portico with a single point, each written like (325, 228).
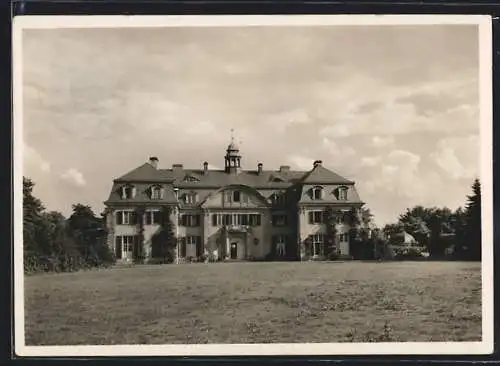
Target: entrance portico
(235, 243)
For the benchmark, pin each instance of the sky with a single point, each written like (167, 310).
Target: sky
(394, 108)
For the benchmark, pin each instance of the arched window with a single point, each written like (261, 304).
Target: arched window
(317, 193)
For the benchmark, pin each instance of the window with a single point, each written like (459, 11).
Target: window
(128, 243)
(190, 220)
(152, 217)
(278, 199)
(339, 219)
(128, 192)
(126, 218)
(280, 241)
(316, 217)
(236, 196)
(317, 241)
(190, 178)
(190, 198)
(317, 193)
(236, 219)
(344, 237)
(280, 220)
(156, 193)
(343, 193)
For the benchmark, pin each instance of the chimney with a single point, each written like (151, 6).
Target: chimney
(205, 167)
(284, 169)
(154, 162)
(177, 167)
(259, 168)
(317, 163)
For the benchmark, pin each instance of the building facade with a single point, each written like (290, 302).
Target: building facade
(231, 214)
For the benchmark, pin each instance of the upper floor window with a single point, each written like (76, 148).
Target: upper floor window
(128, 192)
(236, 219)
(343, 193)
(126, 218)
(316, 217)
(152, 217)
(344, 237)
(317, 193)
(280, 220)
(190, 220)
(156, 192)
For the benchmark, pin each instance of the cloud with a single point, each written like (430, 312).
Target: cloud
(370, 160)
(74, 177)
(33, 159)
(458, 156)
(301, 162)
(382, 141)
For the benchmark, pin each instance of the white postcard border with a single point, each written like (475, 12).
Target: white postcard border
(407, 348)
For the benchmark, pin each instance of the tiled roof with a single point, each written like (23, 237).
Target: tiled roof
(219, 178)
(321, 175)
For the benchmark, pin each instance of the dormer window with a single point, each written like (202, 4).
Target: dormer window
(317, 193)
(191, 178)
(156, 192)
(342, 195)
(278, 199)
(191, 198)
(236, 196)
(128, 192)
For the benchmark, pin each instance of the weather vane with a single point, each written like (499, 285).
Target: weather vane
(232, 135)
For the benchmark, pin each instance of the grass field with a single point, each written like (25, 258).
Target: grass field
(256, 303)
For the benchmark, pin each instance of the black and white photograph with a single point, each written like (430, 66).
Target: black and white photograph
(253, 185)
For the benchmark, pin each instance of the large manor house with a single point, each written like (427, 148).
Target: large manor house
(231, 214)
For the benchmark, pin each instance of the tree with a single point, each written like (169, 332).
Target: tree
(139, 251)
(473, 223)
(331, 234)
(89, 232)
(32, 218)
(164, 243)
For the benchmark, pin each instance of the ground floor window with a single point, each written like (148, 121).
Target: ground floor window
(190, 246)
(280, 242)
(126, 246)
(317, 242)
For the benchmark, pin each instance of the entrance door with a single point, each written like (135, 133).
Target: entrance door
(234, 250)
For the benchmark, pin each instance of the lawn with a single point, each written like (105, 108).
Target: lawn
(256, 303)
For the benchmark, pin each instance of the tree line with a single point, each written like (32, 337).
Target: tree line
(53, 242)
(440, 232)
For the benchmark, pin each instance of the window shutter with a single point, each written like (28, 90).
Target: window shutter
(135, 246)
(183, 246)
(134, 191)
(118, 247)
(133, 218)
(119, 217)
(198, 246)
(123, 192)
(311, 217)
